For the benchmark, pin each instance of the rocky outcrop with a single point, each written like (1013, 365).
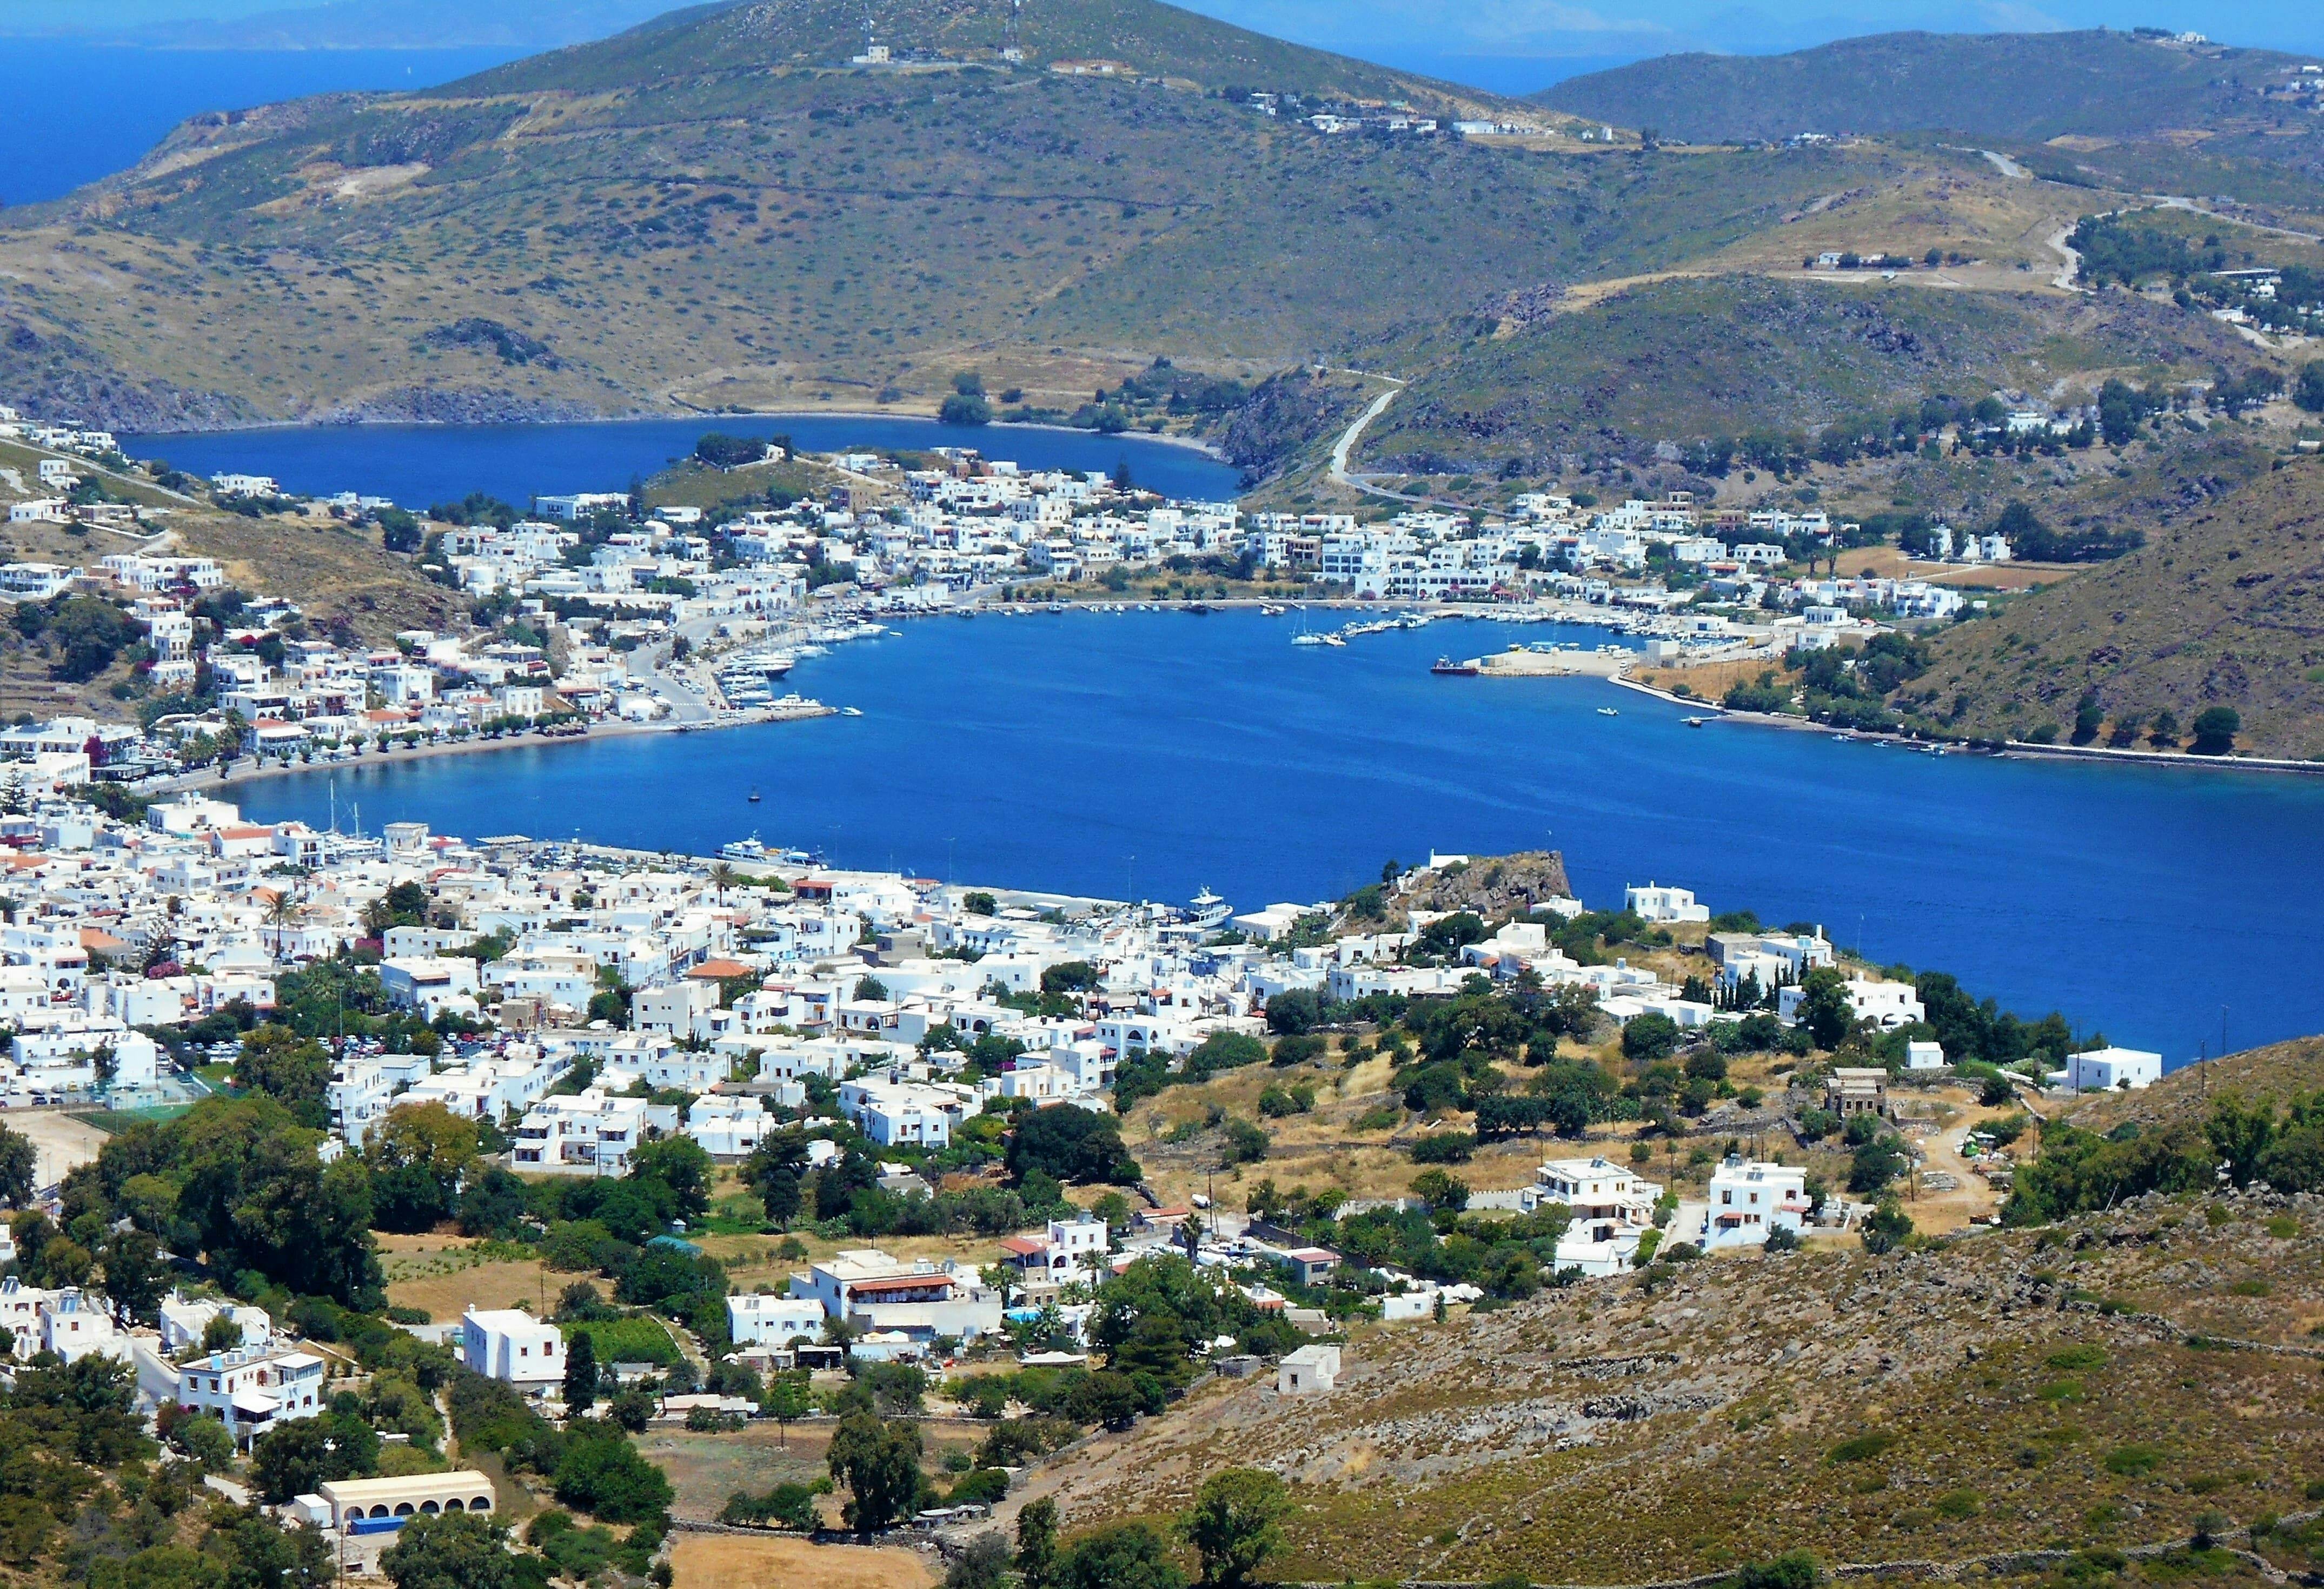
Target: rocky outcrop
(56, 377)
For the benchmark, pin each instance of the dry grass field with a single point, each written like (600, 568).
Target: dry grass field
(445, 1274)
(755, 1561)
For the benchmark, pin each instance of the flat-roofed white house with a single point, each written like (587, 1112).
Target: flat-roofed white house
(252, 1392)
(513, 1347)
(1748, 1199)
(1307, 1370)
(763, 1320)
(1605, 1197)
(183, 1322)
(2108, 1070)
(1661, 902)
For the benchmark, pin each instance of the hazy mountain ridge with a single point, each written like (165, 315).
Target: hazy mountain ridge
(2020, 86)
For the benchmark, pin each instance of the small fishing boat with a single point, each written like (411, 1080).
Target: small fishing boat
(1696, 721)
(1607, 712)
(753, 797)
(1450, 669)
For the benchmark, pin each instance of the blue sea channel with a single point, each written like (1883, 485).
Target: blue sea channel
(1152, 754)
(415, 465)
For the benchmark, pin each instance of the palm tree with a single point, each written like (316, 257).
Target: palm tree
(282, 912)
(722, 877)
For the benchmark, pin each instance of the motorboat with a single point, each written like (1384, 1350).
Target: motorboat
(1607, 712)
(1448, 667)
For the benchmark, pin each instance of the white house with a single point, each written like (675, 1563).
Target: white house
(728, 1127)
(1656, 903)
(514, 1347)
(1748, 1199)
(1605, 1197)
(430, 985)
(252, 1392)
(2108, 1070)
(184, 1322)
(1887, 1004)
(591, 1132)
(773, 1321)
(1308, 1369)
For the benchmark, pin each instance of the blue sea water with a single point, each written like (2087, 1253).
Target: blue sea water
(76, 111)
(1154, 754)
(417, 465)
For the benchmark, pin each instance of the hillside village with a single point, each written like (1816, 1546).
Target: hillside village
(496, 1036)
(597, 609)
(489, 1211)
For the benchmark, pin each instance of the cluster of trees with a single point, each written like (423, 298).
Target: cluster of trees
(82, 633)
(2034, 541)
(1234, 1527)
(1846, 686)
(722, 451)
(2113, 249)
(590, 1464)
(2082, 1171)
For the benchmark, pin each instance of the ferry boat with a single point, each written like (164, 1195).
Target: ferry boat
(1210, 910)
(743, 849)
(1448, 667)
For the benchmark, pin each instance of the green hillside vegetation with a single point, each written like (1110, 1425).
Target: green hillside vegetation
(1156, 40)
(2024, 87)
(1687, 360)
(751, 231)
(2221, 609)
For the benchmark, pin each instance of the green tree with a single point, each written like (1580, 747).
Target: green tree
(2214, 731)
(292, 1460)
(454, 1550)
(606, 1476)
(2309, 391)
(1234, 1525)
(1794, 1569)
(1441, 1189)
(279, 1062)
(1127, 1556)
(1649, 1037)
(879, 1461)
(135, 1275)
(1824, 1008)
(787, 1402)
(1037, 1544)
(1887, 1227)
(18, 1162)
(580, 1375)
(1073, 1145)
(681, 1164)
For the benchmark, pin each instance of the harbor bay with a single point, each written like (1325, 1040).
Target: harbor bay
(1152, 754)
